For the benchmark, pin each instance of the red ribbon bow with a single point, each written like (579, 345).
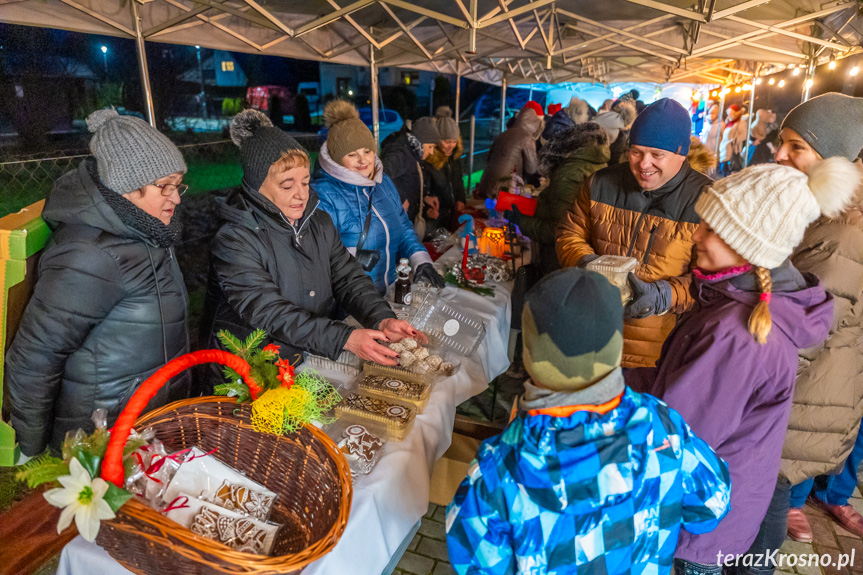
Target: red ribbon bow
(176, 504)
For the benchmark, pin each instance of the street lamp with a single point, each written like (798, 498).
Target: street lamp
(105, 58)
(201, 76)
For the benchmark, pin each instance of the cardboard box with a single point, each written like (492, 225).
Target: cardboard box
(451, 469)
(22, 235)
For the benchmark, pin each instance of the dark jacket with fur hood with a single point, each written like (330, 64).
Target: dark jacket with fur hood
(567, 159)
(513, 149)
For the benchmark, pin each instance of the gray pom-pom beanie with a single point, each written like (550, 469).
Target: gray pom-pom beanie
(129, 152)
(446, 124)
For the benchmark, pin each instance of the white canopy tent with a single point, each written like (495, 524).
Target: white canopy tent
(495, 41)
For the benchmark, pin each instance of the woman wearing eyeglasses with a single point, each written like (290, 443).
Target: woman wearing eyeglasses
(109, 306)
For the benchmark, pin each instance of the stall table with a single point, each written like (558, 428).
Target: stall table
(389, 501)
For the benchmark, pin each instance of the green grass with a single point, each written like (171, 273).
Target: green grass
(204, 177)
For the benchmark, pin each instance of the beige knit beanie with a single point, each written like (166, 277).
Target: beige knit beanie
(763, 211)
(347, 133)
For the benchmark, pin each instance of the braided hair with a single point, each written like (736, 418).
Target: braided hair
(760, 322)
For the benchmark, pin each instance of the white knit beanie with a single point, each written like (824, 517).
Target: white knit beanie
(763, 211)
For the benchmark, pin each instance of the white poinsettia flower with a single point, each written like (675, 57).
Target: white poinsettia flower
(83, 498)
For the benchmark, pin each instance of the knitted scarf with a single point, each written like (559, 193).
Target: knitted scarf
(136, 218)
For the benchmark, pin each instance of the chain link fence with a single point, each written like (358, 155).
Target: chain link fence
(215, 165)
(25, 179)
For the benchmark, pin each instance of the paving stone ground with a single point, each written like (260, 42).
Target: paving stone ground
(829, 539)
(426, 555)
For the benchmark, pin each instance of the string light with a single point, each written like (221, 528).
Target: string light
(832, 64)
(747, 87)
(796, 72)
(781, 83)
(809, 83)
(771, 81)
(737, 90)
(714, 93)
(853, 71)
(757, 81)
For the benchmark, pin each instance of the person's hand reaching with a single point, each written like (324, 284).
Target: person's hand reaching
(398, 329)
(364, 343)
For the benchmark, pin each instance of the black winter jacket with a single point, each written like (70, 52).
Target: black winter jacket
(287, 280)
(402, 165)
(447, 184)
(109, 309)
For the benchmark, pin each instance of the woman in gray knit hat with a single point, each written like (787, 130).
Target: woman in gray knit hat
(823, 445)
(444, 171)
(110, 305)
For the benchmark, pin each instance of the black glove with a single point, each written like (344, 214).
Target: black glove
(513, 216)
(427, 273)
(647, 298)
(586, 260)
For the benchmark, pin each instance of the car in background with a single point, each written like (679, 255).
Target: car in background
(389, 122)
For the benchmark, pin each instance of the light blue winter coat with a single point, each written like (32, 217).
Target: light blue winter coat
(345, 196)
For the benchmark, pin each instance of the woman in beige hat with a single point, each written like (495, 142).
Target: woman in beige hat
(363, 201)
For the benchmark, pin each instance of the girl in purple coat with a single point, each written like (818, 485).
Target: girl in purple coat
(729, 365)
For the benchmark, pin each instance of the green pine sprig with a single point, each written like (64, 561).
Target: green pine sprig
(42, 469)
(234, 388)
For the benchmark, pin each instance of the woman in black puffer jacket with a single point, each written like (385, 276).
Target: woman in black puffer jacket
(109, 306)
(277, 262)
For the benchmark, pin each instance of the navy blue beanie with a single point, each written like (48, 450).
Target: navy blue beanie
(664, 124)
(558, 123)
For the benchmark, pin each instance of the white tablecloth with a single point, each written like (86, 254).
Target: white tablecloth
(390, 500)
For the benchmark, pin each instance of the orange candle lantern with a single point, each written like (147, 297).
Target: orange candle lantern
(492, 242)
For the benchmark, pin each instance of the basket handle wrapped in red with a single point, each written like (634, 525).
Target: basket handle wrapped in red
(112, 467)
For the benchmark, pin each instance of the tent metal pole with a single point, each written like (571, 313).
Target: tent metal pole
(457, 93)
(503, 104)
(142, 65)
(470, 158)
(373, 71)
(810, 75)
(751, 120)
(719, 132)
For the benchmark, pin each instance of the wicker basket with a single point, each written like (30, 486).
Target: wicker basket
(306, 469)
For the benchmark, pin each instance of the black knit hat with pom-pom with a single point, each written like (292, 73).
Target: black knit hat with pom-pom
(261, 145)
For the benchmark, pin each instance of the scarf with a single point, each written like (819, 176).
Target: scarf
(136, 218)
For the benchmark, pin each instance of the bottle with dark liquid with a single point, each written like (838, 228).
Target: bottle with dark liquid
(403, 283)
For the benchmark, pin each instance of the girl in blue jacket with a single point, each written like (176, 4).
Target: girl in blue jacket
(353, 189)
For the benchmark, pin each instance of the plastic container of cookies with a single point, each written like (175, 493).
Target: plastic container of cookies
(446, 326)
(395, 417)
(362, 444)
(347, 363)
(616, 270)
(403, 388)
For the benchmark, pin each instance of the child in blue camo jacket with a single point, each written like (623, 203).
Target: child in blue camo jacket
(590, 477)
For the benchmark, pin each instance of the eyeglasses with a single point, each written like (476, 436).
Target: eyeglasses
(169, 189)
